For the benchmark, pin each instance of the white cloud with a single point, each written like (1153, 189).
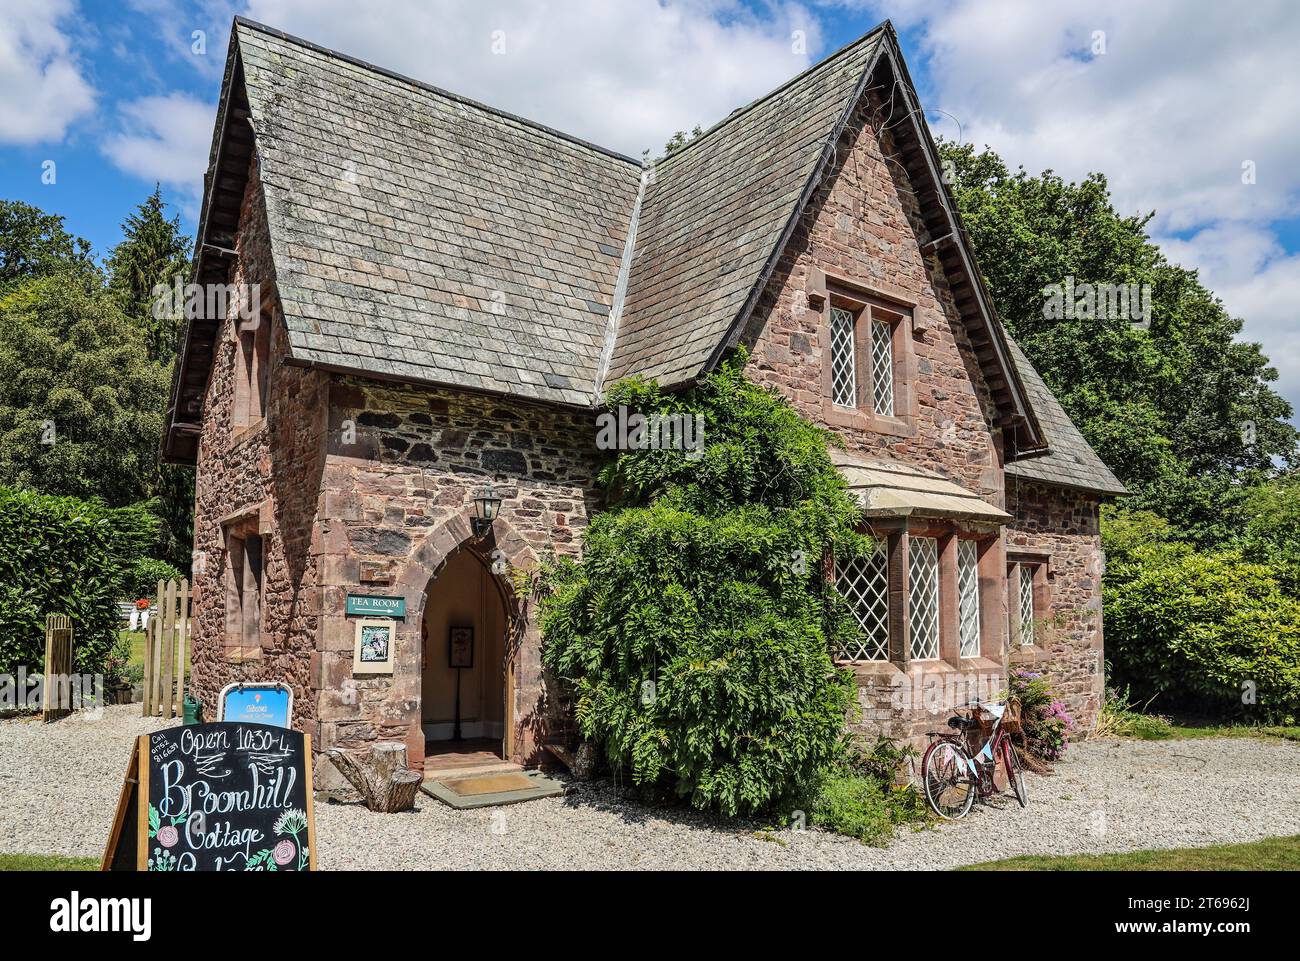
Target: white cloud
(623, 74)
(165, 139)
(42, 83)
(1183, 95)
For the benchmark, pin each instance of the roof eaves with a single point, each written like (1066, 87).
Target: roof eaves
(962, 240)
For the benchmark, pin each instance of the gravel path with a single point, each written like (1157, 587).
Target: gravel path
(59, 784)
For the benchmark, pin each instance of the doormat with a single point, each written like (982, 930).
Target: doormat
(488, 790)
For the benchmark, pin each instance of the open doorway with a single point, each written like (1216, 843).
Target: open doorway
(465, 698)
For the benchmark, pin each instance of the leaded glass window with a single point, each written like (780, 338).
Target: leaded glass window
(923, 599)
(968, 594)
(864, 583)
(844, 375)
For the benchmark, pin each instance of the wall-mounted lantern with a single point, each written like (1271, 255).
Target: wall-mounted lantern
(487, 504)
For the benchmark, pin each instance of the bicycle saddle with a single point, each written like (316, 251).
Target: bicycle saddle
(961, 723)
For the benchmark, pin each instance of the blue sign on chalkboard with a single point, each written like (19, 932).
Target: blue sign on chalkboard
(257, 704)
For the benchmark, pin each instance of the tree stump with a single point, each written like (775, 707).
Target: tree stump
(386, 784)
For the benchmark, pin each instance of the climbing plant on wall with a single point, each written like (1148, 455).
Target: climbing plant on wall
(694, 635)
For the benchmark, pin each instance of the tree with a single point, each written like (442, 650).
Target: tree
(153, 252)
(1180, 409)
(35, 244)
(695, 633)
(80, 402)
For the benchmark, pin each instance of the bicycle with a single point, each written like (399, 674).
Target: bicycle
(953, 777)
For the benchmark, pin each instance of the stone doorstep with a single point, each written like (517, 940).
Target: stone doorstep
(544, 787)
(470, 770)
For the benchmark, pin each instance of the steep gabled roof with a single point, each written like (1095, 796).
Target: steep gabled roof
(1070, 460)
(423, 237)
(715, 213)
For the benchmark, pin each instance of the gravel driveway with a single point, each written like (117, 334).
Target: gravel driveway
(59, 784)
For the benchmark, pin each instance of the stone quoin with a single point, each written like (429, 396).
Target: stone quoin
(448, 290)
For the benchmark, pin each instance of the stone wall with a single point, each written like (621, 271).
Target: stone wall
(1065, 525)
(402, 468)
(273, 471)
(865, 224)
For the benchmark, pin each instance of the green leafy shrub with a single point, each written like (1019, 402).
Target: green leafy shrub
(62, 555)
(868, 794)
(1206, 632)
(143, 578)
(861, 807)
(694, 635)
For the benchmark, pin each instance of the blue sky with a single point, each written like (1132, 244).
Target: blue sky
(1172, 99)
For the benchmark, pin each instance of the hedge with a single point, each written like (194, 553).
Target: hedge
(64, 555)
(1203, 631)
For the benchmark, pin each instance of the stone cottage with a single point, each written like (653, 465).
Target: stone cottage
(436, 295)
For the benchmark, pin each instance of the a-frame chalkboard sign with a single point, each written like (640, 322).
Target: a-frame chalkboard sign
(216, 797)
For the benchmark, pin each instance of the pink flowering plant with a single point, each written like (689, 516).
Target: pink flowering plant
(1046, 721)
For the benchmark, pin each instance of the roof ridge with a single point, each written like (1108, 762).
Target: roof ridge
(754, 104)
(431, 88)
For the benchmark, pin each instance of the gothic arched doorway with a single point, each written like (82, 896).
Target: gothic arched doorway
(466, 700)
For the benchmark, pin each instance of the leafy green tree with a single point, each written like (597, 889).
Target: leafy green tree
(1181, 410)
(695, 633)
(35, 244)
(153, 252)
(80, 402)
(1272, 534)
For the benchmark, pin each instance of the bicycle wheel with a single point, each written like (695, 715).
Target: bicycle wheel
(1015, 776)
(948, 779)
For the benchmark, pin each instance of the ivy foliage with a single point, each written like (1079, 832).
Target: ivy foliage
(695, 634)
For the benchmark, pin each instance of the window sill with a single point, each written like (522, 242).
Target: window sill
(242, 655)
(854, 419)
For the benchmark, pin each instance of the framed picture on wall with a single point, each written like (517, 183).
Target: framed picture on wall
(376, 640)
(461, 647)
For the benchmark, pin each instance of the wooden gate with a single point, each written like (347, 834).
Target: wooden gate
(56, 691)
(166, 651)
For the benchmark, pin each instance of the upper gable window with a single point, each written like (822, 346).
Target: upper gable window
(864, 357)
(844, 370)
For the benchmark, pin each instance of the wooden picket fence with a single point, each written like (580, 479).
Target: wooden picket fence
(167, 642)
(56, 699)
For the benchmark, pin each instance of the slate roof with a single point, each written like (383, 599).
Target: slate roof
(1071, 461)
(714, 213)
(421, 236)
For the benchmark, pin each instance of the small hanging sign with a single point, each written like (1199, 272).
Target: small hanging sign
(369, 606)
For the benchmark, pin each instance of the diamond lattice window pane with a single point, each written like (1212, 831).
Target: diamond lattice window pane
(1026, 604)
(923, 598)
(864, 583)
(844, 377)
(882, 367)
(968, 592)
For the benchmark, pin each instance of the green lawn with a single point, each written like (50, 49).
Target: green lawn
(137, 650)
(1289, 733)
(46, 862)
(1271, 854)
